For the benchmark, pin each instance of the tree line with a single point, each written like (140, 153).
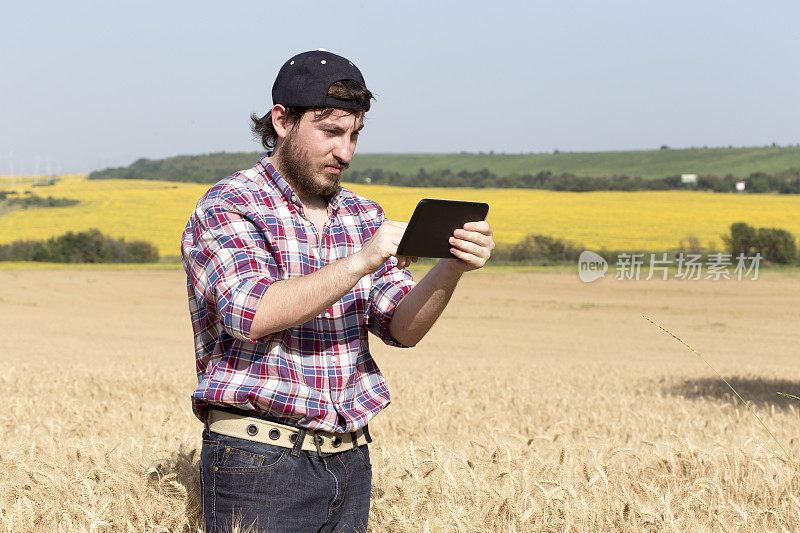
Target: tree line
(83, 247)
(785, 182)
(209, 168)
(775, 245)
(28, 200)
(203, 168)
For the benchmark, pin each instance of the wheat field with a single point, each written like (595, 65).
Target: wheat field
(536, 403)
(157, 211)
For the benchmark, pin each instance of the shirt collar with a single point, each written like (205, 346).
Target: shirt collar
(274, 178)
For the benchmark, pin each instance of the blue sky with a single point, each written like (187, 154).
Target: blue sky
(96, 84)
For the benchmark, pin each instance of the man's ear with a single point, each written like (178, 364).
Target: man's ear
(279, 120)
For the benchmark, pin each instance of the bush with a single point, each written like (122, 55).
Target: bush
(83, 247)
(775, 245)
(690, 245)
(32, 201)
(742, 239)
(541, 249)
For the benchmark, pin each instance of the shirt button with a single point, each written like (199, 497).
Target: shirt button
(294, 198)
(327, 314)
(333, 359)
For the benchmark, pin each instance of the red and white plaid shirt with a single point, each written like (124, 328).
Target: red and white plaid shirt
(249, 231)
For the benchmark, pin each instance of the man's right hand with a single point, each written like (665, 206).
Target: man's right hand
(383, 245)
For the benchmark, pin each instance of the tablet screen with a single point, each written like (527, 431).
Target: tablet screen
(432, 224)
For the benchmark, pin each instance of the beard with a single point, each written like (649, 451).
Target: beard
(298, 169)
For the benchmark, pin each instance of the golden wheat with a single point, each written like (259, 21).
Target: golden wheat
(744, 402)
(536, 403)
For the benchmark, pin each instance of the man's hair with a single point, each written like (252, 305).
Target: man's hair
(343, 90)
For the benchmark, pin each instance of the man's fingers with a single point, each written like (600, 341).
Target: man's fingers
(471, 247)
(396, 230)
(472, 244)
(473, 262)
(466, 256)
(480, 239)
(404, 261)
(480, 226)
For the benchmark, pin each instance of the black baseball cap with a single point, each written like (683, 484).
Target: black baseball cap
(304, 80)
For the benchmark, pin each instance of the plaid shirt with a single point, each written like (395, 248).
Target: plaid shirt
(249, 231)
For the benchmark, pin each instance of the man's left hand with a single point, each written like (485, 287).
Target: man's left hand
(472, 245)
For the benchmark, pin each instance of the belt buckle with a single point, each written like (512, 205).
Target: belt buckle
(318, 438)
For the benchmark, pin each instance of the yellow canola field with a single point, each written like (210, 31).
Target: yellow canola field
(157, 211)
(650, 220)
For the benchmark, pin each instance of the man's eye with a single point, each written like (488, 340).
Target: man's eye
(332, 132)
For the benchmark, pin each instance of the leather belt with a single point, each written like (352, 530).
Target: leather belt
(269, 432)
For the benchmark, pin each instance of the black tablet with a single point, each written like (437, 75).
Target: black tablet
(432, 224)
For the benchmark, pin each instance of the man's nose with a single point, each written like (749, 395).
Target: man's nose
(344, 149)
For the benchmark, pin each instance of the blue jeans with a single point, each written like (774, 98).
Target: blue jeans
(266, 488)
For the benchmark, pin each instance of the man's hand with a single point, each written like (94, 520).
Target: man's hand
(382, 245)
(290, 302)
(418, 310)
(472, 245)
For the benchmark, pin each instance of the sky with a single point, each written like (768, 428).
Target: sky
(86, 85)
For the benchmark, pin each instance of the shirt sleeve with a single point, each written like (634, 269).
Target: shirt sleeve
(229, 263)
(389, 285)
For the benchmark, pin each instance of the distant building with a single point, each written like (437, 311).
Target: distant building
(740, 185)
(688, 178)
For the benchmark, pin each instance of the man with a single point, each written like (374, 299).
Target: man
(287, 271)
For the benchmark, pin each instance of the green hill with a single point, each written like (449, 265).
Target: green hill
(648, 164)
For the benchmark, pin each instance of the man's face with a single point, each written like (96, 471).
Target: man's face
(316, 151)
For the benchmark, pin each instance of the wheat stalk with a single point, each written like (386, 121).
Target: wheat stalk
(731, 387)
(789, 395)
